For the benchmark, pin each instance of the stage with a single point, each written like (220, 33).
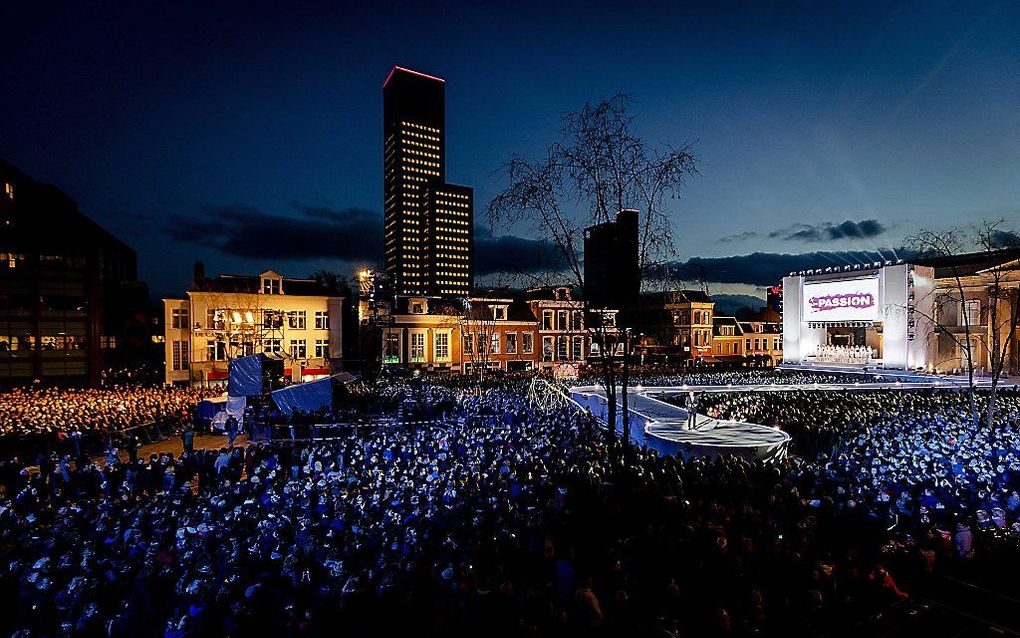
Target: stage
(663, 427)
(890, 377)
(878, 315)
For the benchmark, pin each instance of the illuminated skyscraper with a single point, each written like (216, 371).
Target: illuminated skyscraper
(449, 239)
(427, 249)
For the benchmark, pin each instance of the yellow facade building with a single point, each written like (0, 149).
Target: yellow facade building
(230, 316)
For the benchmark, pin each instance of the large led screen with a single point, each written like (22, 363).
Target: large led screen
(845, 300)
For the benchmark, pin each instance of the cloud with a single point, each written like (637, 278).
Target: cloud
(513, 254)
(1004, 239)
(351, 234)
(737, 237)
(829, 231)
(729, 304)
(764, 269)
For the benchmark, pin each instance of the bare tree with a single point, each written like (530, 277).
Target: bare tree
(989, 239)
(333, 282)
(1003, 306)
(598, 167)
(945, 245)
(477, 325)
(238, 321)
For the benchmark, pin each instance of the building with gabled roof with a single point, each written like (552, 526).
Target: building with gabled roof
(229, 316)
(673, 327)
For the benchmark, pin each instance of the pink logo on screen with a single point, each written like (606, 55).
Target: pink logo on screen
(845, 300)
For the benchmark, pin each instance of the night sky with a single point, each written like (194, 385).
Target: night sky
(192, 131)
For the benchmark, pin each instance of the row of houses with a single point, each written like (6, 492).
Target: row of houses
(303, 322)
(503, 329)
(681, 327)
(757, 343)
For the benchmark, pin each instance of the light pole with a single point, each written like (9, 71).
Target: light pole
(368, 315)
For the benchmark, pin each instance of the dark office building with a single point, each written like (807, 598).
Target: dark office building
(612, 273)
(70, 302)
(774, 302)
(424, 247)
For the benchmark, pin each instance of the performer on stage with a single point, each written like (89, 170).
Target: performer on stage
(692, 410)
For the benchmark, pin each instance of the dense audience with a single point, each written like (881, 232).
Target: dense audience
(913, 457)
(825, 411)
(488, 516)
(516, 523)
(59, 410)
(743, 376)
(38, 421)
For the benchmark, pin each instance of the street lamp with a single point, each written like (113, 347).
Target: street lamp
(366, 291)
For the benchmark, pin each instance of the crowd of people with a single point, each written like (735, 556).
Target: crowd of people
(831, 353)
(496, 517)
(52, 410)
(37, 423)
(914, 458)
(519, 523)
(739, 377)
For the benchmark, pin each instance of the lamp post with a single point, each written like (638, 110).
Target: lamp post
(191, 350)
(366, 289)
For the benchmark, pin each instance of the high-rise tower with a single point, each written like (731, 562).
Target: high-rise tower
(424, 235)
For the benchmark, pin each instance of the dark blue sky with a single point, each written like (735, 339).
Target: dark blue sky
(191, 130)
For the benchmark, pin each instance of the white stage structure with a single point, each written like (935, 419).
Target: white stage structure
(664, 427)
(860, 317)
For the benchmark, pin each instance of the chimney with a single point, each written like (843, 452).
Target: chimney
(199, 273)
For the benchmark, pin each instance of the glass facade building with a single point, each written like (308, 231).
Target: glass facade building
(70, 302)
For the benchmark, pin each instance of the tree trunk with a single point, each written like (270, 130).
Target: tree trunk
(971, 398)
(609, 385)
(990, 412)
(611, 412)
(608, 380)
(1001, 353)
(624, 385)
(975, 419)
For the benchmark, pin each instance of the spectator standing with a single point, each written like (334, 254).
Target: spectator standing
(188, 438)
(963, 539)
(132, 446)
(75, 436)
(231, 426)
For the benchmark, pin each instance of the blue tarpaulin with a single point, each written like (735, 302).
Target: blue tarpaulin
(208, 408)
(246, 376)
(305, 397)
(215, 411)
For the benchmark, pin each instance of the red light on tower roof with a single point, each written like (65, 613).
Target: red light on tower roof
(412, 72)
